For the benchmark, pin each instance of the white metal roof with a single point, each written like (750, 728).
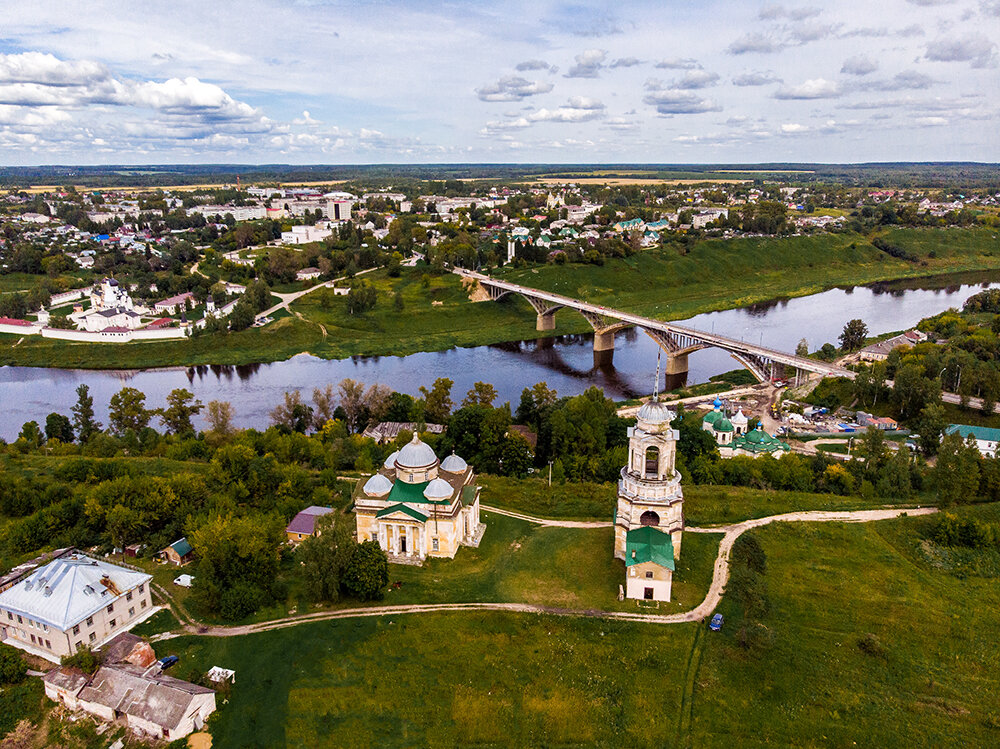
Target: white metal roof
(68, 590)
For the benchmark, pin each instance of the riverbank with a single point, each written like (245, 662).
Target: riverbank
(437, 315)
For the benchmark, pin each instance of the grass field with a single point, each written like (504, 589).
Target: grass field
(661, 283)
(537, 680)
(517, 562)
(703, 505)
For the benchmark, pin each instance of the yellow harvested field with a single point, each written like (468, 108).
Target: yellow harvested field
(639, 181)
(34, 189)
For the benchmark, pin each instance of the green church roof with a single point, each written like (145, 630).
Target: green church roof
(413, 493)
(416, 515)
(759, 441)
(647, 544)
(712, 416)
(723, 425)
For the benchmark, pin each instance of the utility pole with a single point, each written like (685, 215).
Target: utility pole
(550, 474)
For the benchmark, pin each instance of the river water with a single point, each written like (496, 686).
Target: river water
(566, 363)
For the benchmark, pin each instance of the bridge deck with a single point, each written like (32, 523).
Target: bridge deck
(710, 339)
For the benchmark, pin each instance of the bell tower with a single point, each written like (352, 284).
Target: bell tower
(649, 489)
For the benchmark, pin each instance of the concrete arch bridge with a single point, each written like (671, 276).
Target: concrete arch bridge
(677, 341)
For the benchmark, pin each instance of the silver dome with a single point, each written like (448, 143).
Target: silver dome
(415, 454)
(438, 489)
(377, 485)
(390, 462)
(454, 464)
(654, 412)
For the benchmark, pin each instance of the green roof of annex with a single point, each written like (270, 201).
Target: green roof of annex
(647, 544)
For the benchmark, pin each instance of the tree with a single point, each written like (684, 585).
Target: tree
(237, 562)
(293, 415)
(437, 400)
(956, 475)
(13, 669)
(32, 434)
(870, 384)
(912, 391)
(361, 298)
(181, 406)
(874, 450)
(803, 348)
(58, 427)
(854, 335)
(324, 404)
(367, 573)
(220, 417)
(83, 414)
(931, 426)
(325, 556)
(515, 455)
(242, 316)
(352, 400)
(481, 394)
(122, 523)
(128, 411)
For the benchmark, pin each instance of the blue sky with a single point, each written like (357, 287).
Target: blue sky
(333, 82)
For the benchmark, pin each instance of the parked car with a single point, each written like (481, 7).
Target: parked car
(716, 624)
(167, 662)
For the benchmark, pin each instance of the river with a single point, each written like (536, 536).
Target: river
(566, 363)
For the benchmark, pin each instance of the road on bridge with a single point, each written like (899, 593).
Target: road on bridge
(695, 338)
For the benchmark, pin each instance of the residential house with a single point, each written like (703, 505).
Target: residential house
(986, 438)
(178, 553)
(880, 351)
(72, 601)
(303, 525)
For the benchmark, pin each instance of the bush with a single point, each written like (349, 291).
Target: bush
(13, 669)
(869, 645)
(367, 572)
(84, 659)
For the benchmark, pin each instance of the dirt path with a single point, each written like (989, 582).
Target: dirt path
(546, 521)
(720, 577)
(287, 299)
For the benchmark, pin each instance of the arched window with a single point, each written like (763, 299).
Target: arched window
(649, 518)
(652, 462)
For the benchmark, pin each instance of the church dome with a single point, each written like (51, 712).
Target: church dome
(390, 462)
(712, 417)
(739, 418)
(723, 425)
(377, 485)
(415, 454)
(654, 412)
(438, 489)
(717, 403)
(454, 464)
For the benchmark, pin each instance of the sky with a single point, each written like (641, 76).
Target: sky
(317, 81)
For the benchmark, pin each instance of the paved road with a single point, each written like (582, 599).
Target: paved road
(720, 577)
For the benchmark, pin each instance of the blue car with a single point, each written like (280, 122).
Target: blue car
(716, 624)
(167, 662)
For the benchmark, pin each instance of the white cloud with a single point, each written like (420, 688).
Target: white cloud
(625, 62)
(793, 127)
(669, 101)
(512, 88)
(588, 64)
(973, 47)
(576, 109)
(859, 65)
(814, 88)
(678, 63)
(756, 78)
(697, 79)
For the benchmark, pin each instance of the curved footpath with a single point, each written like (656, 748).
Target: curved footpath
(719, 578)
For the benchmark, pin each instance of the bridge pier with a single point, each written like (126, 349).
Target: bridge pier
(545, 321)
(675, 371)
(604, 341)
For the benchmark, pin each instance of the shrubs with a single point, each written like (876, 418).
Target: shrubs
(84, 659)
(367, 573)
(968, 532)
(869, 644)
(13, 669)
